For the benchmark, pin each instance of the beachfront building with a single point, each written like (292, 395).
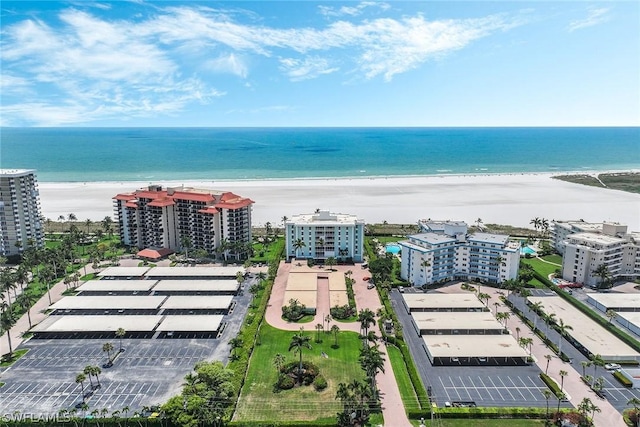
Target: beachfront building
(610, 249)
(185, 218)
(323, 235)
(444, 251)
(560, 231)
(20, 217)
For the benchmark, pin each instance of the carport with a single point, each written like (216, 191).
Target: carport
(615, 302)
(99, 326)
(308, 298)
(197, 287)
(474, 350)
(195, 272)
(115, 287)
(200, 304)
(337, 282)
(108, 304)
(190, 326)
(442, 302)
(302, 282)
(126, 272)
(456, 323)
(630, 320)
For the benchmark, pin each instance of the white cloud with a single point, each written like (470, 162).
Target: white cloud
(351, 10)
(307, 68)
(231, 63)
(595, 16)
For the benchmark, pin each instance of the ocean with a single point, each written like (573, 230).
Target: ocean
(145, 154)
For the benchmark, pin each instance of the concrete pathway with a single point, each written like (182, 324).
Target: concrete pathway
(573, 385)
(392, 407)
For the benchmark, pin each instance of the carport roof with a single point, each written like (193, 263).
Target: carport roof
(338, 298)
(100, 323)
(109, 302)
(592, 336)
(190, 323)
(123, 272)
(471, 320)
(613, 300)
(302, 282)
(195, 271)
(494, 346)
(308, 298)
(632, 317)
(337, 282)
(436, 301)
(198, 302)
(197, 285)
(117, 285)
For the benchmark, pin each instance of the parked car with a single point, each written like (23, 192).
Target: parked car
(371, 286)
(401, 289)
(612, 366)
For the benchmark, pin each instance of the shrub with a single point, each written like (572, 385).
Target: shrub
(555, 388)
(320, 383)
(285, 382)
(623, 380)
(342, 312)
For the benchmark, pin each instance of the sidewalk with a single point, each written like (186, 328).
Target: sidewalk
(392, 407)
(573, 385)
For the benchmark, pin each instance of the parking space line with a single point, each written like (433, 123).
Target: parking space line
(498, 390)
(486, 389)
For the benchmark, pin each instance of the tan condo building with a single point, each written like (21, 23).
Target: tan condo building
(20, 223)
(183, 217)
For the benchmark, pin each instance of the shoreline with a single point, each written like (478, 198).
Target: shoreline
(509, 198)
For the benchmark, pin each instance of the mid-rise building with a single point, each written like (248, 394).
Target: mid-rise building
(182, 217)
(323, 235)
(610, 246)
(560, 231)
(20, 217)
(444, 252)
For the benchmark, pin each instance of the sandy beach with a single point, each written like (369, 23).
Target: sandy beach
(512, 199)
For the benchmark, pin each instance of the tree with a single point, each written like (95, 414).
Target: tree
(319, 328)
(562, 374)
(611, 315)
(537, 308)
(235, 343)
(548, 357)
(80, 379)
(355, 398)
(335, 329)
(297, 245)
(107, 348)
(331, 261)
(120, 333)
(185, 242)
(561, 396)
(547, 395)
(603, 273)
(562, 330)
(97, 371)
(366, 318)
(278, 361)
(6, 323)
(585, 364)
(596, 360)
(372, 362)
(88, 371)
(635, 402)
(484, 297)
(517, 332)
(298, 343)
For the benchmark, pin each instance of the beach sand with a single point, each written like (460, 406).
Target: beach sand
(512, 199)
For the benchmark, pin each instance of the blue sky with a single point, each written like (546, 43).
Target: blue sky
(307, 63)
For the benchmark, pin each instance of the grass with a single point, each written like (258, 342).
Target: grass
(465, 422)
(556, 259)
(541, 267)
(16, 355)
(268, 252)
(407, 393)
(626, 181)
(259, 402)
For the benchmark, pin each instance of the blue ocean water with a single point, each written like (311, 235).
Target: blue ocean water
(145, 154)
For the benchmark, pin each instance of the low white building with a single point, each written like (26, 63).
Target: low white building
(611, 246)
(323, 235)
(447, 252)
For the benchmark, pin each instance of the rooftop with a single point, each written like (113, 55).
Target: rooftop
(595, 238)
(613, 300)
(195, 271)
(16, 172)
(298, 281)
(117, 285)
(434, 320)
(196, 285)
(123, 272)
(436, 301)
(499, 239)
(126, 302)
(190, 323)
(100, 323)
(198, 302)
(324, 218)
(473, 346)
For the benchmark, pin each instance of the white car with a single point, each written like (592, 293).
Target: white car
(612, 367)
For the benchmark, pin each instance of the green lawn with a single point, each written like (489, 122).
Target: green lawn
(541, 267)
(258, 402)
(407, 393)
(465, 422)
(555, 258)
(16, 355)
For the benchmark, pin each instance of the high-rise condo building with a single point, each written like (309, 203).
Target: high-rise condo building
(324, 235)
(185, 218)
(20, 222)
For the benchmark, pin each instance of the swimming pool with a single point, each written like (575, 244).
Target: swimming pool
(392, 248)
(527, 250)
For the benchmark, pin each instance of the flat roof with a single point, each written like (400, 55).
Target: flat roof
(435, 301)
(473, 320)
(630, 316)
(117, 285)
(195, 271)
(617, 300)
(198, 302)
(299, 281)
(123, 272)
(338, 298)
(197, 285)
(99, 323)
(473, 346)
(308, 298)
(337, 282)
(109, 302)
(592, 336)
(191, 323)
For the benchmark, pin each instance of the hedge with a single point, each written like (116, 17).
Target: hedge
(491, 412)
(623, 380)
(65, 421)
(555, 388)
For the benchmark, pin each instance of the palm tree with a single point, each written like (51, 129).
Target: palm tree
(298, 343)
(97, 371)
(298, 244)
(88, 370)
(611, 315)
(562, 374)
(319, 327)
(548, 357)
(372, 362)
(537, 308)
(26, 301)
(596, 360)
(479, 223)
(548, 320)
(517, 332)
(107, 348)
(120, 333)
(278, 361)
(561, 396)
(562, 330)
(185, 242)
(331, 261)
(547, 395)
(602, 271)
(80, 379)
(635, 402)
(327, 319)
(536, 223)
(335, 329)
(366, 318)
(585, 364)
(235, 343)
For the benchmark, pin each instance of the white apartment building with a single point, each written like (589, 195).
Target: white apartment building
(560, 231)
(611, 246)
(446, 252)
(154, 217)
(322, 235)
(20, 217)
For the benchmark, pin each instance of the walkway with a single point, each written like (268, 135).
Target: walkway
(392, 407)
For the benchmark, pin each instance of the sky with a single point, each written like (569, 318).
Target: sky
(319, 64)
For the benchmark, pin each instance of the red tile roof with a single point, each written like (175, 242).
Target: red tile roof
(154, 253)
(209, 210)
(131, 205)
(160, 203)
(161, 198)
(125, 196)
